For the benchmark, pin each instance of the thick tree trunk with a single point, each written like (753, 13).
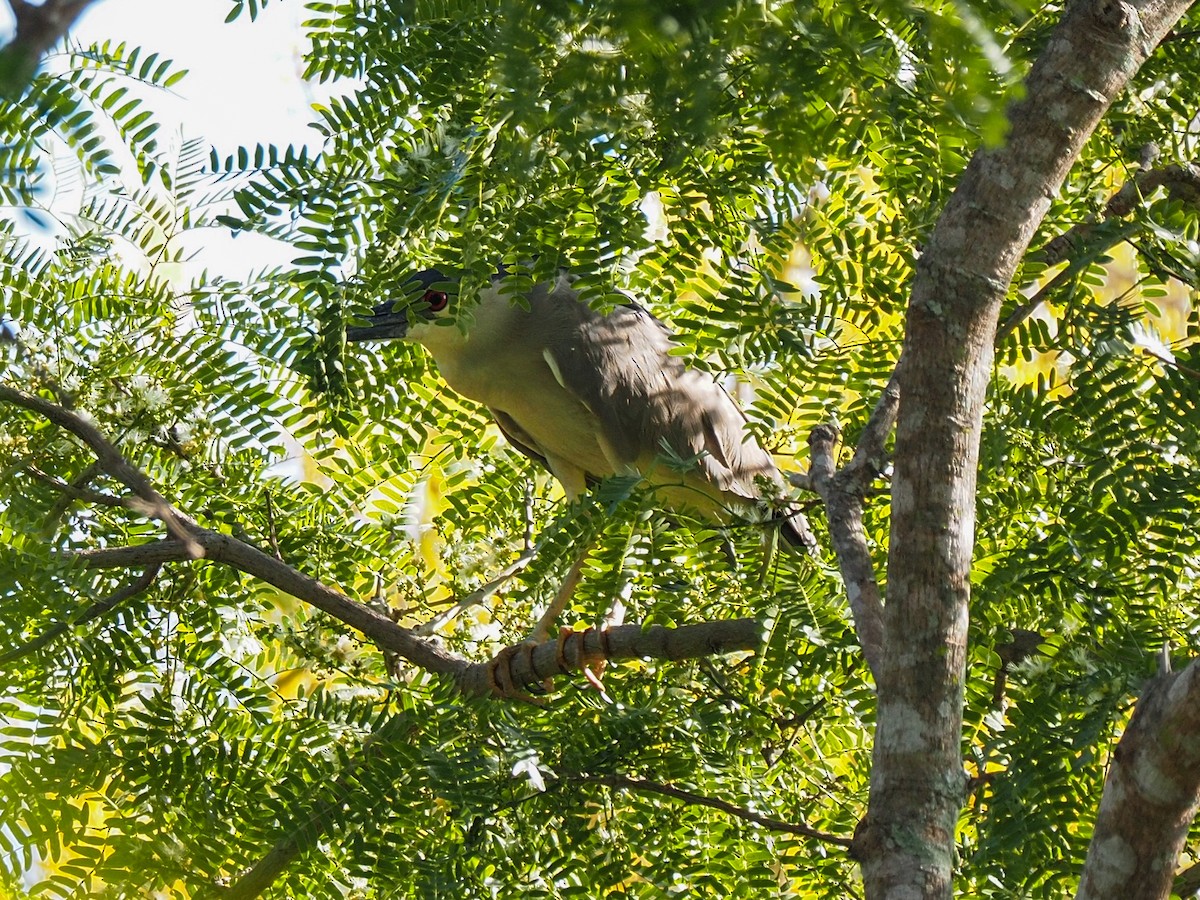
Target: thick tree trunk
(907, 843)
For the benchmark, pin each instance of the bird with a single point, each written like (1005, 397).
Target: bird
(590, 394)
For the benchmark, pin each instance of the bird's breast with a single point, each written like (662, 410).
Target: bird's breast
(524, 387)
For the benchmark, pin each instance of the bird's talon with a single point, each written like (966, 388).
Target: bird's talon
(560, 651)
(503, 683)
(593, 679)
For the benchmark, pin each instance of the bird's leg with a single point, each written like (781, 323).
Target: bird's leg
(541, 631)
(614, 617)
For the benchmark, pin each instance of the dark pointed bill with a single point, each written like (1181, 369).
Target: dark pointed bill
(385, 324)
(389, 321)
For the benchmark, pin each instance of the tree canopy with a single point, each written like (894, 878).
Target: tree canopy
(257, 585)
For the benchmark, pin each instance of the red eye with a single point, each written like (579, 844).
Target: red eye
(437, 300)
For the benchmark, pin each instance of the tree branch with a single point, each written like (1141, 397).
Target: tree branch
(1102, 239)
(108, 456)
(1182, 181)
(76, 490)
(1167, 361)
(39, 27)
(843, 493)
(511, 671)
(1150, 796)
(906, 842)
(95, 611)
(1086, 242)
(503, 676)
(222, 548)
(623, 782)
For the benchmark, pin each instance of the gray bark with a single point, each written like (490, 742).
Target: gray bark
(906, 844)
(1150, 796)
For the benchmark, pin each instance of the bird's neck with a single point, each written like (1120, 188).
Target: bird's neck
(461, 355)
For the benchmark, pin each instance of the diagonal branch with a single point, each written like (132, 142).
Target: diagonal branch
(109, 457)
(89, 614)
(1101, 239)
(39, 27)
(223, 548)
(1086, 242)
(503, 676)
(506, 676)
(622, 782)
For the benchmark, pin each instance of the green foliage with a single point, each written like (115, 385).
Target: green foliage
(169, 744)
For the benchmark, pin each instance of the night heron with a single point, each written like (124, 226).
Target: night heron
(589, 395)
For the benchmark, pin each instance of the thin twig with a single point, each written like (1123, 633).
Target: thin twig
(668, 790)
(1107, 241)
(1095, 237)
(89, 614)
(476, 597)
(1168, 361)
(75, 491)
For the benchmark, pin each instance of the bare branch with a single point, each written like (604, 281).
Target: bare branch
(523, 665)
(1167, 361)
(1086, 242)
(843, 494)
(223, 548)
(1182, 182)
(1102, 240)
(532, 666)
(75, 490)
(869, 456)
(623, 782)
(152, 553)
(513, 670)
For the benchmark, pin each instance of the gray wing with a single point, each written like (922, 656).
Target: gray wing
(516, 436)
(620, 366)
